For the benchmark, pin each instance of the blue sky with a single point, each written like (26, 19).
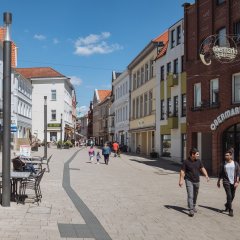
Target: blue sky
(87, 39)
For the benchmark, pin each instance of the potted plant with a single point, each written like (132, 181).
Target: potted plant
(67, 144)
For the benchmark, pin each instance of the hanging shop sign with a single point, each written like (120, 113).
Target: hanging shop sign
(223, 48)
(224, 116)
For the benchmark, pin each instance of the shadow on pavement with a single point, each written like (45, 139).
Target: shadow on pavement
(212, 209)
(177, 208)
(160, 163)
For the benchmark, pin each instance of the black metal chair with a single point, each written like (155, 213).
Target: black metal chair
(46, 162)
(30, 188)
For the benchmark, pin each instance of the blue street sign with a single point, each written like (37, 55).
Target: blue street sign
(13, 128)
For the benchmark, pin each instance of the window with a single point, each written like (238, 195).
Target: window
(236, 88)
(169, 105)
(182, 63)
(162, 110)
(197, 95)
(222, 37)
(54, 114)
(173, 38)
(214, 94)
(54, 95)
(146, 72)
(141, 106)
(137, 107)
(145, 104)
(220, 2)
(168, 67)
(184, 105)
(178, 35)
(236, 31)
(175, 66)
(150, 102)
(138, 79)
(133, 110)
(151, 69)
(162, 73)
(134, 81)
(142, 75)
(175, 106)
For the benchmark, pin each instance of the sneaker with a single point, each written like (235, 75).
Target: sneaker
(194, 210)
(191, 213)
(226, 208)
(231, 213)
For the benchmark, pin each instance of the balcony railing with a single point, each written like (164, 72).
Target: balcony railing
(173, 122)
(172, 80)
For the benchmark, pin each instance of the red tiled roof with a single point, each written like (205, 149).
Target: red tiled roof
(14, 48)
(38, 72)
(162, 38)
(103, 94)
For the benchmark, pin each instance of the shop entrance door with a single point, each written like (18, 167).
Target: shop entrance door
(231, 140)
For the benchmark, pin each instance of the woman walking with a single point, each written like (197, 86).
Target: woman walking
(106, 151)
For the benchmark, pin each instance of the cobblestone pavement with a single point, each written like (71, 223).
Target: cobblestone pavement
(132, 198)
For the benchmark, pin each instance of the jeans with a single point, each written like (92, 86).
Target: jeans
(29, 168)
(106, 158)
(192, 193)
(230, 192)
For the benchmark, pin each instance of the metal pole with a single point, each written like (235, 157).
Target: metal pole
(6, 153)
(45, 127)
(61, 131)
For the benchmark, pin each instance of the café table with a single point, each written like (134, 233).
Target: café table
(16, 177)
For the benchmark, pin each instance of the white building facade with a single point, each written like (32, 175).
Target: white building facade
(171, 97)
(59, 91)
(121, 108)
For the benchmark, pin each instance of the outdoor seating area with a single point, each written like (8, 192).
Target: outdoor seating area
(25, 178)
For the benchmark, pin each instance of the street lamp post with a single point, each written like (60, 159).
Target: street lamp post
(45, 127)
(61, 131)
(6, 153)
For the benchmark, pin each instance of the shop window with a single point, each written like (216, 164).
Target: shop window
(166, 145)
(214, 94)
(197, 95)
(236, 88)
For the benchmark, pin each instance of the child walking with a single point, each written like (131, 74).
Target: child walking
(91, 153)
(98, 157)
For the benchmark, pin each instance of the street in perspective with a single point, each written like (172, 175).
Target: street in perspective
(130, 198)
(119, 120)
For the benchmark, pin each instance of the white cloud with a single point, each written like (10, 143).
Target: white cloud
(55, 41)
(95, 44)
(76, 80)
(39, 37)
(81, 111)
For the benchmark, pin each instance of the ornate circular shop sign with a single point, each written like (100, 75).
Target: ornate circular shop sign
(222, 48)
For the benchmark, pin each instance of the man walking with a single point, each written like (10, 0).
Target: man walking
(190, 172)
(229, 173)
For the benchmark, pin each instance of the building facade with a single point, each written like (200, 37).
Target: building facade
(59, 91)
(143, 95)
(213, 82)
(171, 97)
(121, 108)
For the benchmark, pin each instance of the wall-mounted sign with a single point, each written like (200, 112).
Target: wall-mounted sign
(224, 116)
(222, 48)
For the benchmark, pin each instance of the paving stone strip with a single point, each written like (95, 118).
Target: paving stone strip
(93, 228)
